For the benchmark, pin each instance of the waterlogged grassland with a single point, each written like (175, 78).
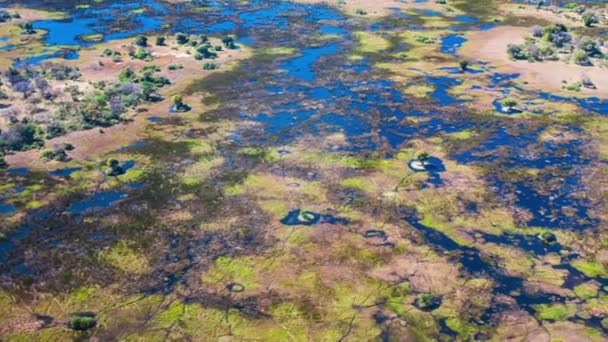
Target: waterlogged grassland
(197, 238)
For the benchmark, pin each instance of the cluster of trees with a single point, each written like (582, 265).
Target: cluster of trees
(588, 17)
(58, 153)
(6, 16)
(547, 41)
(53, 112)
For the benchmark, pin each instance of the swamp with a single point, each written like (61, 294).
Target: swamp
(303, 170)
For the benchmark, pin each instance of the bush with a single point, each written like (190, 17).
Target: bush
(590, 47)
(575, 86)
(160, 40)
(580, 57)
(126, 75)
(83, 322)
(175, 66)
(209, 66)
(142, 54)
(516, 52)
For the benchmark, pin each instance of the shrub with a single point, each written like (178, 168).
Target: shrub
(589, 19)
(580, 57)
(83, 322)
(175, 66)
(516, 52)
(360, 11)
(537, 31)
(126, 75)
(424, 39)
(209, 66)
(142, 53)
(160, 40)
(590, 47)
(58, 154)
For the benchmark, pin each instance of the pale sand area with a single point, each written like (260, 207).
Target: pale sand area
(491, 46)
(377, 8)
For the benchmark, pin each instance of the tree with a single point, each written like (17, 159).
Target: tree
(229, 42)
(464, 64)
(423, 156)
(589, 19)
(509, 104)
(141, 41)
(160, 41)
(178, 101)
(181, 38)
(24, 87)
(28, 28)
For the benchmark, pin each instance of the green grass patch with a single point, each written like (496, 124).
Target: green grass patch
(555, 312)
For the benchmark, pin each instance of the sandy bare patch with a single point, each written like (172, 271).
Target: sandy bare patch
(424, 276)
(375, 8)
(492, 45)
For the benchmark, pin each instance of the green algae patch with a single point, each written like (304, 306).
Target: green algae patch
(555, 312)
(590, 268)
(371, 42)
(125, 258)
